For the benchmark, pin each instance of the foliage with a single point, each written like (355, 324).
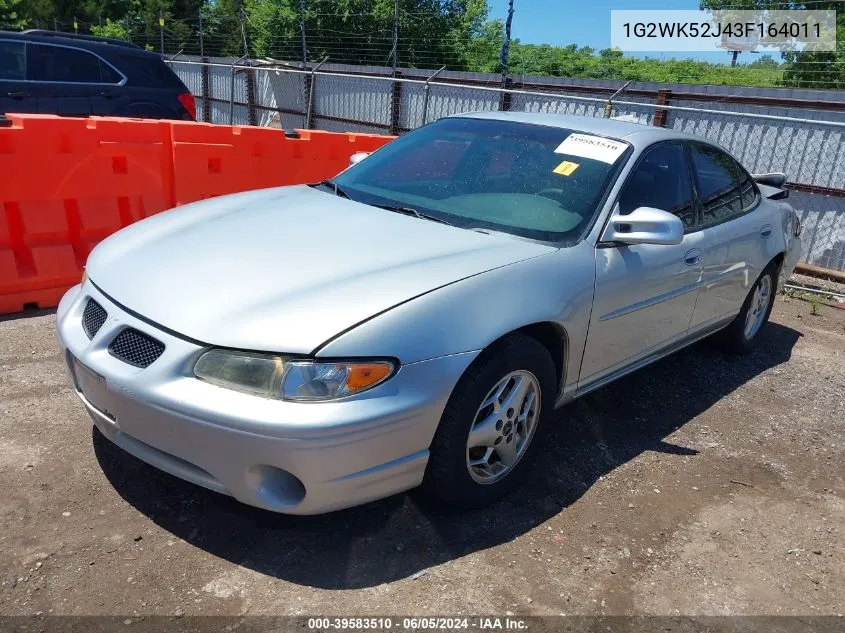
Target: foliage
(431, 33)
(802, 69)
(112, 29)
(11, 17)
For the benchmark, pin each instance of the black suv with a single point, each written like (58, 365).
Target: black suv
(77, 75)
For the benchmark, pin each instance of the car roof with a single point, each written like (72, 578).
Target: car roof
(637, 134)
(101, 45)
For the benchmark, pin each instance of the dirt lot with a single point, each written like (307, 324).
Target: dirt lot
(701, 485)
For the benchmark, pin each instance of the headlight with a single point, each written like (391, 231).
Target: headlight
(290, 379)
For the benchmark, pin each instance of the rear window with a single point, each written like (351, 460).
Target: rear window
(149, 72)
(68, 65)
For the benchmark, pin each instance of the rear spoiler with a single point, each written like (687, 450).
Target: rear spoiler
(773, 185)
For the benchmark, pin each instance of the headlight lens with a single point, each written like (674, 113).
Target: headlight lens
(277, 377)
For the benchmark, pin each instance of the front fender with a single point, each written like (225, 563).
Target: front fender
(470, 314)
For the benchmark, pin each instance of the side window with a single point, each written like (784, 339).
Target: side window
(68, 65)
(12, 61)
(109, 75)
(661, 180)
(724, 187)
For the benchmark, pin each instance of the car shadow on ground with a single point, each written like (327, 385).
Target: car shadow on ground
(396, 537)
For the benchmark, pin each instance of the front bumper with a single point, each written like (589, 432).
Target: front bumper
(297, 458)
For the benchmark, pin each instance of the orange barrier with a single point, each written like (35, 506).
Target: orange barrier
(210, 160)
(68, 183)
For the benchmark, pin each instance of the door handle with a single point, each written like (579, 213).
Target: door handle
(108, 94)
(17, 94)
(766, 232)
(692, 257)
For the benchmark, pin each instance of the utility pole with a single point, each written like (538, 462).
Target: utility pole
(506, 45)
(396, 33)
(734, 55)
(302, 32)
(243, 32)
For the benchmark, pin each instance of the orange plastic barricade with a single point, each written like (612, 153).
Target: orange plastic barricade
(68, 183)
(210, 160)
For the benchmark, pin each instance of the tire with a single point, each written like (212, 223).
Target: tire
(528, 367)
(740, 337)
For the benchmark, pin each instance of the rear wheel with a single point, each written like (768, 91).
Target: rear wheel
(740, 337)
(489, 433)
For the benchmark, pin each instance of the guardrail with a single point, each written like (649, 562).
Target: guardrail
(68, 183)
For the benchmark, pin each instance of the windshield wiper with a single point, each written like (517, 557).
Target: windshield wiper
(412, 212)
(331, 184)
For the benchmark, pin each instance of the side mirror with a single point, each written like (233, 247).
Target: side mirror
(357, 157)
(644, 225)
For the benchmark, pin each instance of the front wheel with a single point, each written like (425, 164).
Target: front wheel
(489, 433)
(740, 337)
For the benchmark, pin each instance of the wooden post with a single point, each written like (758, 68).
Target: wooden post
(664, 95)
(505, 97)
(206, 103)
(395, 105)
(252, 113)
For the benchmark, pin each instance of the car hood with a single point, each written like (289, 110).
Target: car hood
(285, 269)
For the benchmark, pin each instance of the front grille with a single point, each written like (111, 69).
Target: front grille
(93, 318)
(136, 348)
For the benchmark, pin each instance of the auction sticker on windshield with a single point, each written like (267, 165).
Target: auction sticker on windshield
(595, 147)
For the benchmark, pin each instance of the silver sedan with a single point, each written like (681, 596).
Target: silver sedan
(418, 319)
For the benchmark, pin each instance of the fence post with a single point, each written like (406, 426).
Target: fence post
(302, 33)
(206, 94)
(505, 97)
(426, 90)
(395, 104)
(161, 30)
(202, 44)
(250, 97)
(664, 95)
(232, 90)
(309, 116)
(608, 107)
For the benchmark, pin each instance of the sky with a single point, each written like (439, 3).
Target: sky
(586, 23)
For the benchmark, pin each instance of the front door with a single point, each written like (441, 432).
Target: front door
(645, 293)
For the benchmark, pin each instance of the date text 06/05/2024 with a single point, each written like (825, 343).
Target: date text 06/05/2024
(484, 623)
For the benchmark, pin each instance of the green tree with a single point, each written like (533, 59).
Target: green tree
(11, 15)
(802, 69)
(115, 30)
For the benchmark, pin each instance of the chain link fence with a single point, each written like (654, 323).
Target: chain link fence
(781, 135)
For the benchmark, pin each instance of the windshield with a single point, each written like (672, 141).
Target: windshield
(539, 182)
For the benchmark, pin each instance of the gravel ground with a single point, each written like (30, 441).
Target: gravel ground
(701, 485)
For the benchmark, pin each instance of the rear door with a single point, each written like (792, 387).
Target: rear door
(67, 79)
(16, 94)
(734, 249)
